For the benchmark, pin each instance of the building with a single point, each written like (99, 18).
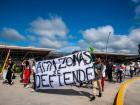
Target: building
(18, 53)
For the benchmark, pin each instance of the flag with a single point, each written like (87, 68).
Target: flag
(91, 50)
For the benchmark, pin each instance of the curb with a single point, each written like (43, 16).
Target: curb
(121, 92)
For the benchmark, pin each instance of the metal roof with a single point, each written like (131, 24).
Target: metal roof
(111, 53)
(25, 48)
(54, 52)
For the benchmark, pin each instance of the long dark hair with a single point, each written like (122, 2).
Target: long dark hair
(27, 63)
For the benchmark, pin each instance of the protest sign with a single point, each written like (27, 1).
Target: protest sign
(63, 71)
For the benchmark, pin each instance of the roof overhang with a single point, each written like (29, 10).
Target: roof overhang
(117, 54)
(25, 48)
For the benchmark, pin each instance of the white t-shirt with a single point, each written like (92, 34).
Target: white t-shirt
(139, 64)
(127, 67)
(4, 74)
(103, 72)
(132, 66)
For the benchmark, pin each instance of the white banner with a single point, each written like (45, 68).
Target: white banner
(63, 71)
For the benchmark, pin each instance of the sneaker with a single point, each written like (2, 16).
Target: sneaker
(92, 98)
(27, 86)
(100, 94)
(12, 82)
(32, 90)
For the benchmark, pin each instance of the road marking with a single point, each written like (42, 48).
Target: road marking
(121, 92)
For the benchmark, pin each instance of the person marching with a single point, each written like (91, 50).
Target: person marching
(22, 70)
(121, 71)
(34, 72)
(103, 74)
(10, 71)
(109, 69)
(132, 64)
(26, 74)
(98, 74)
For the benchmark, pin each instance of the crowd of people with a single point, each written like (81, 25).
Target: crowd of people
(26, 71)
(113, 72)
(118, 71)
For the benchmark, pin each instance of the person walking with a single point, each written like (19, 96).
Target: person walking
(10, 71)
(109, 69)
(136, 68)
(26, 74)
(97, 81)
(34, 72)
(22, 66)
(120, 72)
(127, 69)
(132, 64)
(103, 74)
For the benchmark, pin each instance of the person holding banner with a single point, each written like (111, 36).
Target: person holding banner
(98, 69)
(97, 81)
(34, 72)
(67, 70)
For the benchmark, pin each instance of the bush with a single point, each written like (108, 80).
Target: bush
(17, 69)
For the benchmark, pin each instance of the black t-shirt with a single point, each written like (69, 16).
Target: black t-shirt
(109, 67)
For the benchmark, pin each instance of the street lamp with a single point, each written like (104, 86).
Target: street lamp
(107, 43)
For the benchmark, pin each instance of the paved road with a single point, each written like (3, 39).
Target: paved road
(17, 95)
(132, 94)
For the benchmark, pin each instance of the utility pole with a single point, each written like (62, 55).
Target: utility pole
(107, 43)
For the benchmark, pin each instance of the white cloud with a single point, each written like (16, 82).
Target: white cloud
(83, 44)
(51, 32)
(52, 43)
(135, 35)
(117, 43)
(100, 33)
(136, 1)
(12, 34)
(49, 27)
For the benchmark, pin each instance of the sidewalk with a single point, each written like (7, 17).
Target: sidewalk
(132, 94)
(70, 95)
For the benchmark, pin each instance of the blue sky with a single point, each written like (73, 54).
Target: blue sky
(67, 25)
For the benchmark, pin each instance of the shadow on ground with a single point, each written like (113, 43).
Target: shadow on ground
(114, 103)
(65, 92)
